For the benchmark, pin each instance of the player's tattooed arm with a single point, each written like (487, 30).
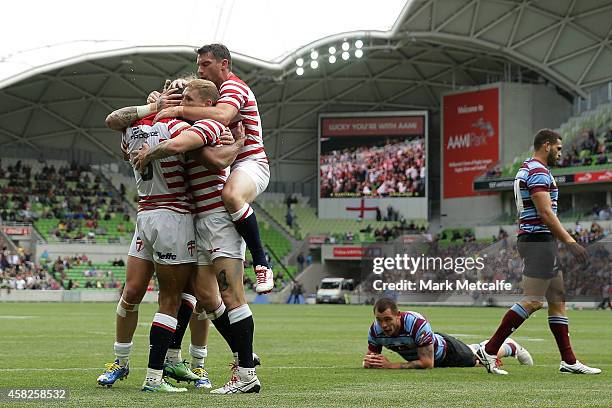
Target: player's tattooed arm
(144, 156)
(122, 118)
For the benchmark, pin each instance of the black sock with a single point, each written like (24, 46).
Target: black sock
(223, 327)
(182, 317)
(242, 335)
(160, 336)
(249, 231)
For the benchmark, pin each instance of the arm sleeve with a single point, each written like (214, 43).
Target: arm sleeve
(373, 345)
(209, 130)
(233, 94)
(420, 331)
(175, 127)
(538, 182)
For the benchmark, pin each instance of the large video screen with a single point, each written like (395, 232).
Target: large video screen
(373, 156)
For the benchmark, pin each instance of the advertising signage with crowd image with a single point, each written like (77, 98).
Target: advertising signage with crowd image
(368, 160)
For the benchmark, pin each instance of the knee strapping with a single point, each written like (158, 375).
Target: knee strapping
(121, 311)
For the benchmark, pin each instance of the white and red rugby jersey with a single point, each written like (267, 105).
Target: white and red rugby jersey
(163, 184)
(237, 93)
(205, 186)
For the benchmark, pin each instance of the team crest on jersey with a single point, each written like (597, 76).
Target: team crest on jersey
(191, 246)
(139, 244)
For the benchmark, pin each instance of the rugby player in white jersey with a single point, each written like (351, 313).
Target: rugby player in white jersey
(164, 222)
(219, 286)
(250, 172)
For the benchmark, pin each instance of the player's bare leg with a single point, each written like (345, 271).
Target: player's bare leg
(236, 320)
(172, 280)
(138, 274)
(239, 191)
(198, 350)
(559, 326)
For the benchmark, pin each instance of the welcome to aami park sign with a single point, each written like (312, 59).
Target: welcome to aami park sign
(505, 184)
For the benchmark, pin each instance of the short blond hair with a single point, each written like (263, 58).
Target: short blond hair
(206, 89)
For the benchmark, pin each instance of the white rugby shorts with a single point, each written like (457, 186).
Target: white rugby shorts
(216, 237)
(164, 237)
(258, 171)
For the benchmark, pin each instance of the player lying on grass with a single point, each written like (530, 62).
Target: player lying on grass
(410, 335)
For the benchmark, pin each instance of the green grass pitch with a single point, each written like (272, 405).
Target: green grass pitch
(311, 357)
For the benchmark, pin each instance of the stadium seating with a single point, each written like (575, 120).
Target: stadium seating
(574, 133)
(101, 275)
(307, 223)
(65, 202)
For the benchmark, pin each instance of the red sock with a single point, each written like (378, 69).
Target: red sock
(510, 322)
(559, 326)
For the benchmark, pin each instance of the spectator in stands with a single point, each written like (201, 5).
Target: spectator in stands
(300, 261)
(289, 218)
(389, 168)
(308, 260)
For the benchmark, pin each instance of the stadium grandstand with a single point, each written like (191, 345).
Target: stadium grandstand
(398, 155)
(66, 191)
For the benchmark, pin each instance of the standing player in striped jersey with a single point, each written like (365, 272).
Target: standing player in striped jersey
(220, 248)
(250, 172)
(164, 205)
(536, 196)
(410, 335)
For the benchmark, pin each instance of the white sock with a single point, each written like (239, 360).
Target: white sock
(198, 354)
(154, 377)
(122, 352)
(173, 356)
(242, 213)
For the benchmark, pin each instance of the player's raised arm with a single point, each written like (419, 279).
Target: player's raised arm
(122, 118)
(222, 113)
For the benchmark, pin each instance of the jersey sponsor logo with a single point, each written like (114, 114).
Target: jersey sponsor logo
(167, 255)
(138, 133)
(191, 246)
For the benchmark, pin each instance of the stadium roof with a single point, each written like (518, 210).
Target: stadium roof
(413, 52)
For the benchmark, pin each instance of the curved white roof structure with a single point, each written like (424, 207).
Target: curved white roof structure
(412, 52)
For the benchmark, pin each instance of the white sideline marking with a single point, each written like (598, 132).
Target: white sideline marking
(15, 317)
(101, 368)
(266, 368)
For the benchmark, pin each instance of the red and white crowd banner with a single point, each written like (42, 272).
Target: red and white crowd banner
(349, 252)
(16, 230)
(373, 126)
(317, 239)
(470, 137)
(593, 177)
